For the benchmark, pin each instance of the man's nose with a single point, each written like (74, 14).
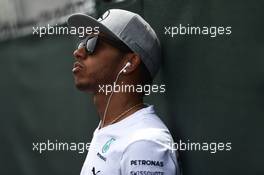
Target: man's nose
(79, 53)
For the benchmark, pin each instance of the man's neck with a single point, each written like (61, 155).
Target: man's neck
(119, 103)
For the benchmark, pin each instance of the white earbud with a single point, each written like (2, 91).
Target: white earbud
(124, 68)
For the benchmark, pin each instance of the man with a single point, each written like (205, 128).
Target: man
(130, 138)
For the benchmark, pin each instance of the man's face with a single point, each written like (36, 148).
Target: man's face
(96, 69)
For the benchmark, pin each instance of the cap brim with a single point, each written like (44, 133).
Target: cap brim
(82, 20)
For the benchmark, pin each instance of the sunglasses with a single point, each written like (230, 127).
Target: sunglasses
(90, 43)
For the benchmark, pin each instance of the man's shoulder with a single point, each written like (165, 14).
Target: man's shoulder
(150, 144)
(148, 128)
(149, 135)
(159, 135)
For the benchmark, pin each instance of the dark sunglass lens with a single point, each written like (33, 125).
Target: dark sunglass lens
(91, 44)
(80, 45)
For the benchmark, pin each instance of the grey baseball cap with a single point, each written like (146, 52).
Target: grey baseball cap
(131, 29)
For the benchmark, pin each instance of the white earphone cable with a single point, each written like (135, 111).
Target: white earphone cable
(108, 100)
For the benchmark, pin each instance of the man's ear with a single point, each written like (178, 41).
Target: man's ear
(135, 61)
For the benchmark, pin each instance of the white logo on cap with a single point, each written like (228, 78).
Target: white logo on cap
(104, 16)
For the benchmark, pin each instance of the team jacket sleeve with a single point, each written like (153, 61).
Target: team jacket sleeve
(148, 158)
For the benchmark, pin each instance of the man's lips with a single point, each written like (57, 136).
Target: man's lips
(77, 66)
